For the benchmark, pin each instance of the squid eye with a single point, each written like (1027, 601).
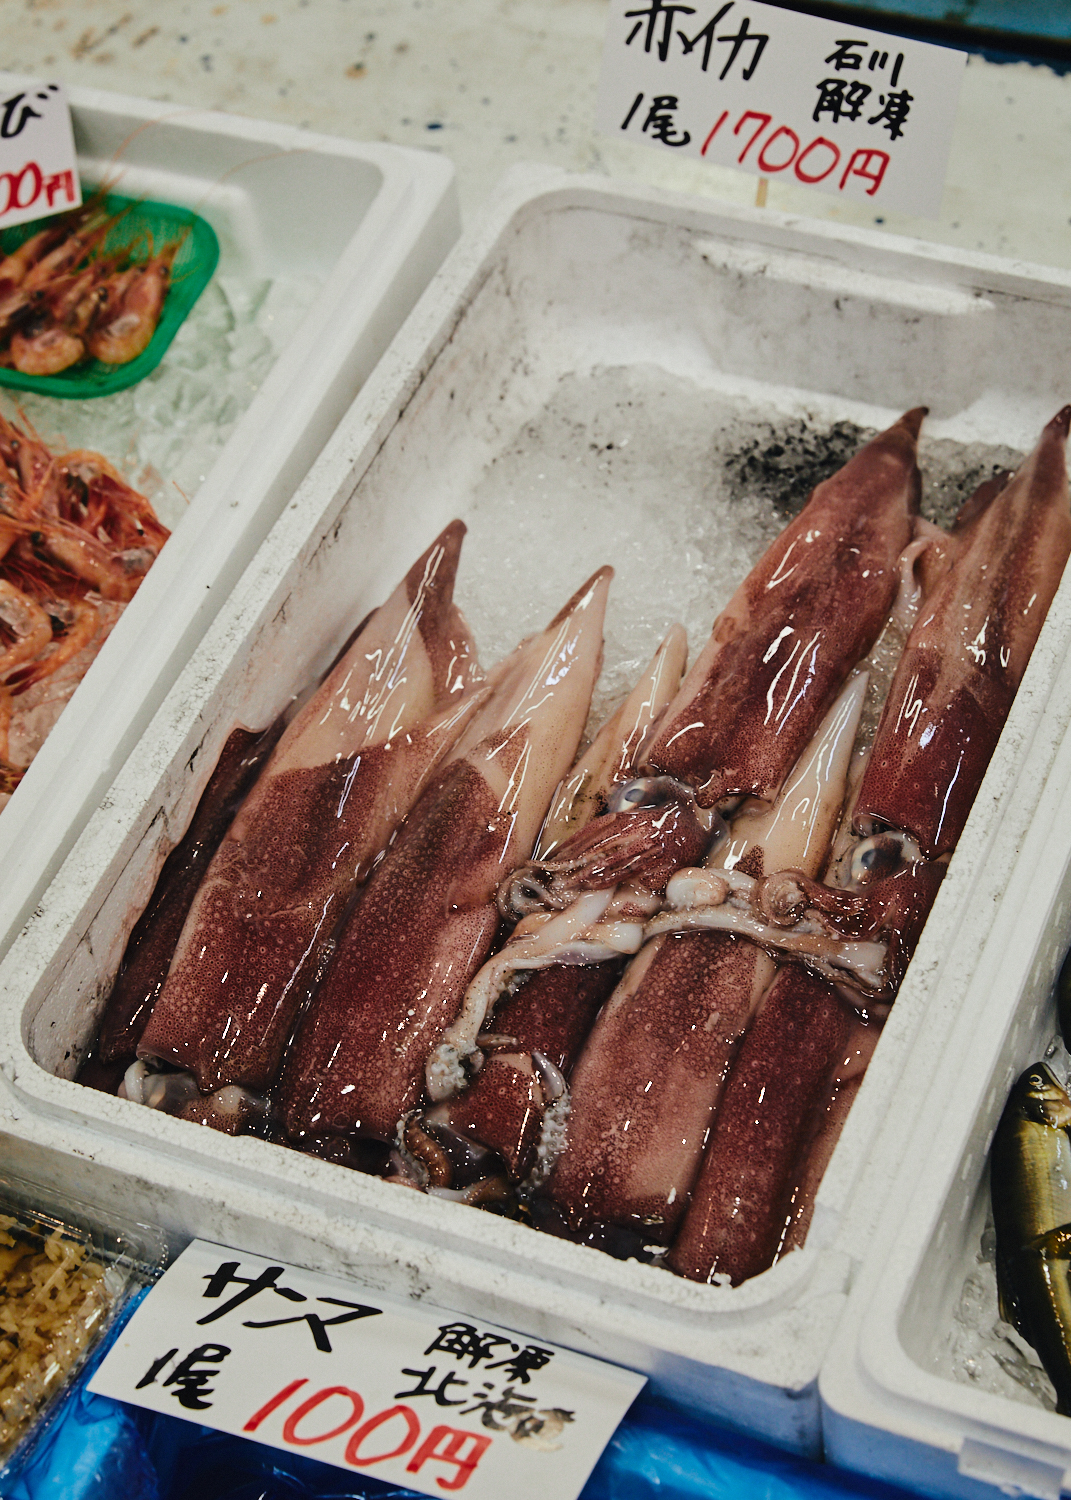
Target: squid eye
(872, 860)
(646, 792)
(880, 856)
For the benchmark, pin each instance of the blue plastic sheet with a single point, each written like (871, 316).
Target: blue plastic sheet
(98, 1449)
(657, 1454)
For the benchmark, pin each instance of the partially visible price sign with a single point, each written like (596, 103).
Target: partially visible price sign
(822, 104)
(38, 170)
(422, 1397)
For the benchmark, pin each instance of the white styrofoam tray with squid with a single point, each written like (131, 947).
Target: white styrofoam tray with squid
(586, 381)
(329, 243)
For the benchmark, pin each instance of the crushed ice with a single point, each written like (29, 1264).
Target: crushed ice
(165, 433)
(983, 1349)
(679, 487)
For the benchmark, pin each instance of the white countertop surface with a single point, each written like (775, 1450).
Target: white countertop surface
(493, 82)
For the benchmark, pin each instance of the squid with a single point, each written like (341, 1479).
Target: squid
(987, 592)
(342, 776)
(810, 609)
(828, 1120)
(758, 866)
(516, 1102)
(967, 653)
(833, 576)
(647, 1085)
(741, 1207)
(148, 954)
(852, 533)
(427, 916)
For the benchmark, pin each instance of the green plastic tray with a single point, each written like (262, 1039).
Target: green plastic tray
(191, 271)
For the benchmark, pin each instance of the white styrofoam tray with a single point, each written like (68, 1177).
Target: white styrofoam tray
(896, 1403)
(372, 223)
(562, 386)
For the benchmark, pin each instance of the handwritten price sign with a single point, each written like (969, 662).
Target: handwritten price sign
(38, 172)
(823, 104)
(416, 1395)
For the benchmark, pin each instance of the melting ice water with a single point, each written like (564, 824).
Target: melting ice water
(165, 432)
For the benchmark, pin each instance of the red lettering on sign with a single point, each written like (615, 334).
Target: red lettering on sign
(812, 177)
(14, 182)
(775, 166)
(60, 182)
(453, 1442)
(751, 115)
(272, 1405)
(290, 1433)
(813, 164)
(864, 156)
(721, 121)
(353, 1454)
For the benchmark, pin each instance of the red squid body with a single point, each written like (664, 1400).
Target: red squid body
(968, 650)
(804, 616)
(742, 1202)
(344, 774)
(646, 1085)
(829, 1120)
(648, 1082)
(152, 943)
(539, 1030)
(427, 917)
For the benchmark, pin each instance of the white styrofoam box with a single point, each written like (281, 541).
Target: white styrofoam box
(576, 321)
(892, 1404)
(371, 222)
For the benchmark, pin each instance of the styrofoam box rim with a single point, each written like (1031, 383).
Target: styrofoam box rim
(774, 1331)
(406, 230)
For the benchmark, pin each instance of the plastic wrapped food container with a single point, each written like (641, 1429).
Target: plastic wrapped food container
(367, 224)
(583, 369)
(898, 1394)
(67, 1269)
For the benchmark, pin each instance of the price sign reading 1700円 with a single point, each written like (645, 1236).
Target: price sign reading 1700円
(824, 104)
(428, 1399)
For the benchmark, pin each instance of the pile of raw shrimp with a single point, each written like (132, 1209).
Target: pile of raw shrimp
(64, 299)
(75, 542)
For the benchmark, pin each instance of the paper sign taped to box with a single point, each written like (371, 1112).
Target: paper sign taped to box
(38, 169)
(822, 104)
(421, 1397)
